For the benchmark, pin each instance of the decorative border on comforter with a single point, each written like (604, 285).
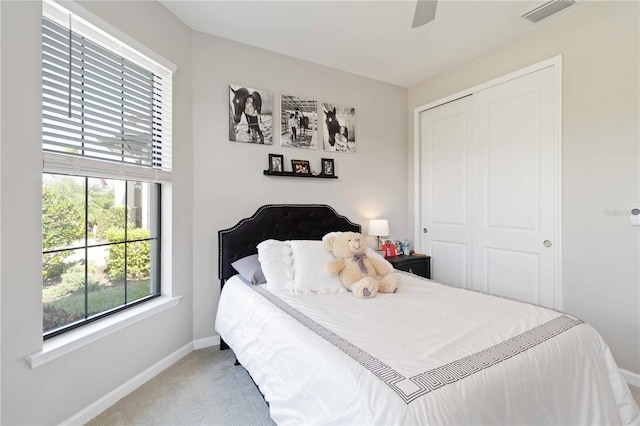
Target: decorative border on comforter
(409, 389)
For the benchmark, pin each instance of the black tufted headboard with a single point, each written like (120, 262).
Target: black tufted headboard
(278, 222)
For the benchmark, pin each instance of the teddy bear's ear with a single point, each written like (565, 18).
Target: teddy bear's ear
(328, 240)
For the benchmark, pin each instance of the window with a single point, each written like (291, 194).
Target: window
(100, 247)
(106, 139)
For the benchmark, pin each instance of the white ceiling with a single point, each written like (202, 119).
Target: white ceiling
(369, 38)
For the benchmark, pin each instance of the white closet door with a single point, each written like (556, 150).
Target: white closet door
(514, 188)
(446, 133)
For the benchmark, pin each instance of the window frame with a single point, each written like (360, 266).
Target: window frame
(155, 253)
(85, 167)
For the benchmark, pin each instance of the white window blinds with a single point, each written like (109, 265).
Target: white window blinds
(102, 113)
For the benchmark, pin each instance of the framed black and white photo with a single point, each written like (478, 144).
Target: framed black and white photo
(328, 168)
(300, 167)
(276, 163)
(339, 128)
(250, 115)
(298, 122)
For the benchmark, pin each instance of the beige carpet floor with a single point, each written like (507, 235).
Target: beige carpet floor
(203, 388)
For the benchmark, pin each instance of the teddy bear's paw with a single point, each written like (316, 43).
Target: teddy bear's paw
(365, 293)
(389, 284)
(365, 288)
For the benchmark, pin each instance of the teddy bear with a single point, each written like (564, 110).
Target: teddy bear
(358, 272)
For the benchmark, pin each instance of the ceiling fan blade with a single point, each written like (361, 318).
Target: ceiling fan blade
(425, 12)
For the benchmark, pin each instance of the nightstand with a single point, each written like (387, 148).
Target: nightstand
(418, 264)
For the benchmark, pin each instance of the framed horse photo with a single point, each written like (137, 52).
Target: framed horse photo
(298, 122)
(250, 115)
(339, 130)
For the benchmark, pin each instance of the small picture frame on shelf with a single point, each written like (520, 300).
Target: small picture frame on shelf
(276, 163)
(300, 167)
(327, 167)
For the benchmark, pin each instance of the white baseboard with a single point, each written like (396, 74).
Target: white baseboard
(91, 411)
(631, 378)
(206, 342)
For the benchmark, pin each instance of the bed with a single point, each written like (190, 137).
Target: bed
(429, 354)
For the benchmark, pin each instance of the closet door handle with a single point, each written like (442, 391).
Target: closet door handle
(547, 243)
(424, 230)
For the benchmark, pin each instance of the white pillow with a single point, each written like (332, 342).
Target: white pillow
(276, 260)
(309, 261)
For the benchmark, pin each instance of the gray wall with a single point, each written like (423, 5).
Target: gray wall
(601, 182)
(228, 183)
(51, 393)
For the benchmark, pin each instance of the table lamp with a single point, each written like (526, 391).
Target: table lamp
(378, 228)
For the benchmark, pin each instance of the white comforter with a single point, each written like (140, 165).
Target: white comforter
(429, 354)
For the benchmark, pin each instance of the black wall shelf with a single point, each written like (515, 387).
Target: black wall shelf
(291, 174)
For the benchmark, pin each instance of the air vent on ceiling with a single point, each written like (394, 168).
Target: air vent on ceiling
(547, 9)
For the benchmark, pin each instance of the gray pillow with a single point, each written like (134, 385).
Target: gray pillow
(249, 269)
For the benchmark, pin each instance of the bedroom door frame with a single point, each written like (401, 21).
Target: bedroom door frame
(555, 63)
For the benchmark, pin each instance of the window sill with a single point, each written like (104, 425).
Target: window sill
(66, 343)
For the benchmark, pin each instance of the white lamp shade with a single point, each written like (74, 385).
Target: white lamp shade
(379, 227)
